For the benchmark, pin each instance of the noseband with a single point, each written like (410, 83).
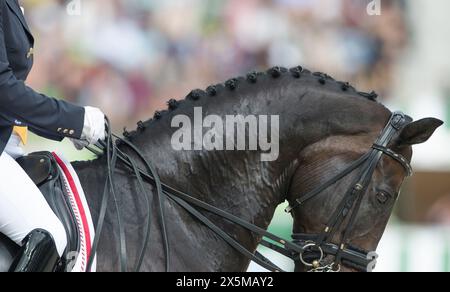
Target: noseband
(318, 246)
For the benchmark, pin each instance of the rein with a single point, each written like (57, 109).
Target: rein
(187, 202)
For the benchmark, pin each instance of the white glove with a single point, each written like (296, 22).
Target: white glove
(79, 144)
(93, 129)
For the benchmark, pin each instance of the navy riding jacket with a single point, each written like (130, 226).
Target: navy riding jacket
(19, 104)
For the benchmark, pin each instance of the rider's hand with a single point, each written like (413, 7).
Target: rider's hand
(93, 129)
(79, 144)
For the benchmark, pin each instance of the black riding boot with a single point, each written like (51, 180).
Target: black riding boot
(38, 253)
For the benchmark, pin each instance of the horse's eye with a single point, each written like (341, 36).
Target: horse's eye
(383, 197)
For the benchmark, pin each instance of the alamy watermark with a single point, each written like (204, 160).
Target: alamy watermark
(374, 8)
(372, 257)
(234, 132)
(73, 8)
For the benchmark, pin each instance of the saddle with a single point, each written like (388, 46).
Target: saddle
(42, 168)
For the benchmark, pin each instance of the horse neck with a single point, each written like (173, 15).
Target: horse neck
(238, 181)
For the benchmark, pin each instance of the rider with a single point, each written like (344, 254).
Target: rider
(25, 216)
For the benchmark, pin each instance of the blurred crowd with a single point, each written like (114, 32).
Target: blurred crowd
(130, 56)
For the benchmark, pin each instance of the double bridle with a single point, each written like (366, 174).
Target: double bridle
(319, 246)
(311, 250)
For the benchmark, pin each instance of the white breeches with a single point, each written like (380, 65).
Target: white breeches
(22, 206)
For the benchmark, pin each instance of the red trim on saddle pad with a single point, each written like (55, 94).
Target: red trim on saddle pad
(85, 237)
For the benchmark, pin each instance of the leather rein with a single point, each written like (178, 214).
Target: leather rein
(308, 249)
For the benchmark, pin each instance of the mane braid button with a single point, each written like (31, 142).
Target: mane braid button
(231, 84)
(211, 90)
(299, 69)
(252, 77)
(345, 86)
(195, 94)
(296, 72)
(322, 77)
(275, 72)
(172, 104)
(141, 126)
(372, 96)
(157, 115)
(126, 134)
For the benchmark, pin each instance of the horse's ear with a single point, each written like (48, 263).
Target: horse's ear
(419, 131)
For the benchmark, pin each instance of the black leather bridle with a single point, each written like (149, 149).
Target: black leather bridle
(311, 250)
(318, 247)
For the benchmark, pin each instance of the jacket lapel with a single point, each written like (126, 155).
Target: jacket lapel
(14, 6)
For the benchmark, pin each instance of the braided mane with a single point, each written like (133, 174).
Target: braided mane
(252, 78)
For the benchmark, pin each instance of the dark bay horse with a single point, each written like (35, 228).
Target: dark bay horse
(323, 125)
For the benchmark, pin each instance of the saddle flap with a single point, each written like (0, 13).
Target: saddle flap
(42, 168)
(60, 186)
(37, 166)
